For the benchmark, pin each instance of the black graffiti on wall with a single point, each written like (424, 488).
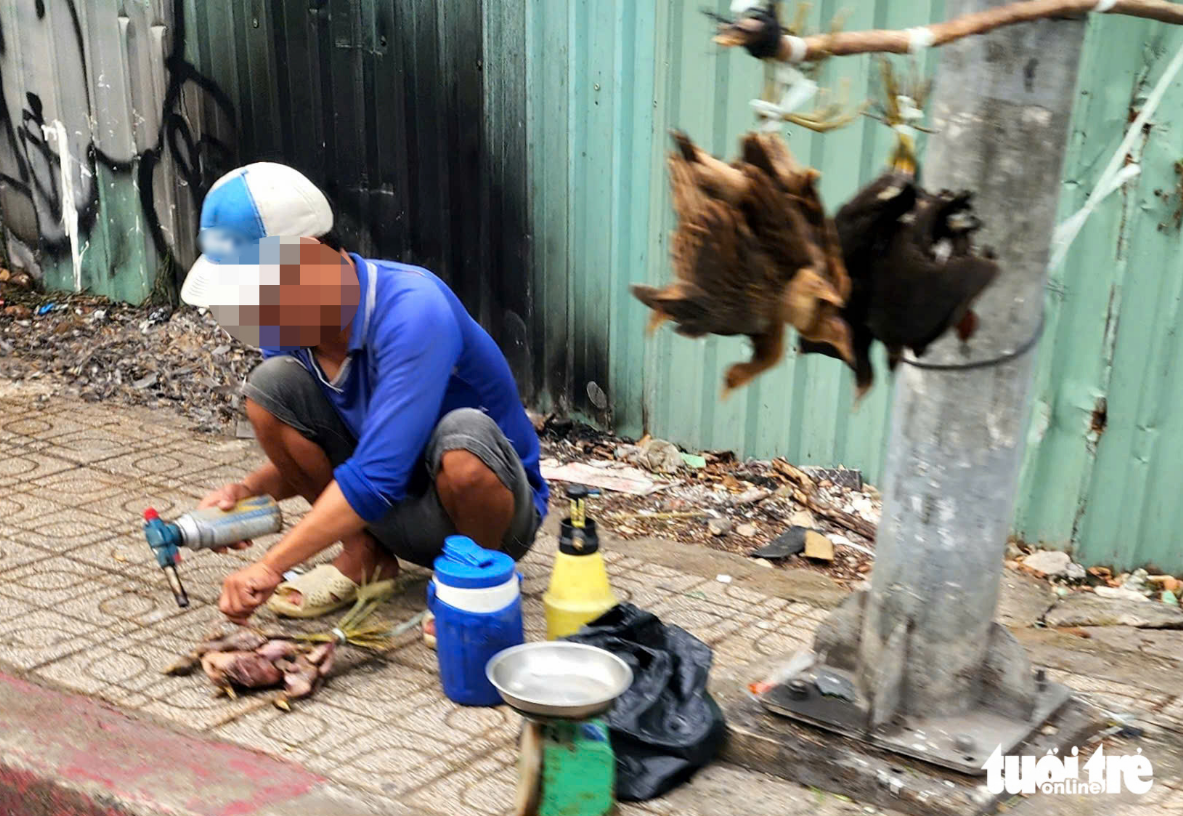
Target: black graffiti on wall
(386, 114)
(198, 162)
(35, 189)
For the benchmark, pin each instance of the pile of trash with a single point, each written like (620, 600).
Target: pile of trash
(781, 515)
(1066, 576)
(96, 350)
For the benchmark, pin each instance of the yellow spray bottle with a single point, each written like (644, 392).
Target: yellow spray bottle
(579, 590)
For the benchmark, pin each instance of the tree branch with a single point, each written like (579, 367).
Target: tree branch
(845, 43)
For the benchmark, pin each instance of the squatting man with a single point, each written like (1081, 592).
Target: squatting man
(379, 400)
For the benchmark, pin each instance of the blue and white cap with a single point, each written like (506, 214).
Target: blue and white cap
(245, 206)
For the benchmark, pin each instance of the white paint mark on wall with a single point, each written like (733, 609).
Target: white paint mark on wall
(57, 132)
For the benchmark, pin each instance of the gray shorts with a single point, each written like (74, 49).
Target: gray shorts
(415, 528)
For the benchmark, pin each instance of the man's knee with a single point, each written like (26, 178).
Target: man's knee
(464, 422)
(263, 421)
(462, 474)
(278, 375)
(461, 471)
(276, 389)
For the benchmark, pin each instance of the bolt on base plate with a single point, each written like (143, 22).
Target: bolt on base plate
(962, 742)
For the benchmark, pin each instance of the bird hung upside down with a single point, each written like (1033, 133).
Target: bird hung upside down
(914, 270)
(752, 251)
(910, 255)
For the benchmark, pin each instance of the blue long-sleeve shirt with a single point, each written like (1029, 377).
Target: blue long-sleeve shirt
(415, 354)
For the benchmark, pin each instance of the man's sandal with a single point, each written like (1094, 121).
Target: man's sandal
(322, 589)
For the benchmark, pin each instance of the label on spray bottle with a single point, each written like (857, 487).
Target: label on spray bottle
(213, 527)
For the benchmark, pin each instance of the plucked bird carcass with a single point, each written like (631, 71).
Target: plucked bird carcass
(753, 251)
(914, 270)
(252, 659)
(249, 659)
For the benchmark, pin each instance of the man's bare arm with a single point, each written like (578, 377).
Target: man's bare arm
(330, 520)
(267, 480)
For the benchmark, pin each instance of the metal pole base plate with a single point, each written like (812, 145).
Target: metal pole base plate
(963, 742)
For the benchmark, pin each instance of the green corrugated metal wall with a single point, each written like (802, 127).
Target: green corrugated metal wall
(1105, 447)
(607, 79)
(519, 151)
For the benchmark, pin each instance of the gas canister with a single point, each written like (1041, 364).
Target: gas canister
(205, 529)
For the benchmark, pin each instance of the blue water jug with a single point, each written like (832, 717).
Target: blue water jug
(475, 595)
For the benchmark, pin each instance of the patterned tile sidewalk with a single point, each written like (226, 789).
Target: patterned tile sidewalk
(84, 608)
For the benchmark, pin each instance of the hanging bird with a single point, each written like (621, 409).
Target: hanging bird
(930, 276)
(750, 253)
(864, 225)
(914, 271)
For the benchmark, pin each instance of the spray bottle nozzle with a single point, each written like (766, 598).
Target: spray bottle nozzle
(577, 493)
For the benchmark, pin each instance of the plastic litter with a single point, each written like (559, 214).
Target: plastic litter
(667, 725)
(790, 542)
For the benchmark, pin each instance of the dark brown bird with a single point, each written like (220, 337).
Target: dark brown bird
(933, 276)
(914, 271)
(753, 250)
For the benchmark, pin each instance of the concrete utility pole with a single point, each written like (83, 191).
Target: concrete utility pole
(917, 664)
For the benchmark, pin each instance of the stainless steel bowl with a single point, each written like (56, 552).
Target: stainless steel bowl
(558, 679)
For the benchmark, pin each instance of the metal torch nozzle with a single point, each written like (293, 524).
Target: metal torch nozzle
(174, 582)
(163, 539)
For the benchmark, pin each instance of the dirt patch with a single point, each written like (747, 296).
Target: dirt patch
(752, 502)
(99, 351)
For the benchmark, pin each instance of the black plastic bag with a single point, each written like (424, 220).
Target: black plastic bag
(666, 726)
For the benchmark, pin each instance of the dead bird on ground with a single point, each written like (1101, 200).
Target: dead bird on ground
(251, 659)
(240, 639)
(245, 658)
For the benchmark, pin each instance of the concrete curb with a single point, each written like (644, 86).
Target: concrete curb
(68, 755)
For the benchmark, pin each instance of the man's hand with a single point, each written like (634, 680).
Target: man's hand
(246, 590)
(225, 497)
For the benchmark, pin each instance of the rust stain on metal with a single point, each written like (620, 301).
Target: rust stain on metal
(1100, 418)
(1177, 216)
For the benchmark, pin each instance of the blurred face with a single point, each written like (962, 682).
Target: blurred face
(299, 292)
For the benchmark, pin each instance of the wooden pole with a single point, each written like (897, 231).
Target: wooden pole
(886, 41)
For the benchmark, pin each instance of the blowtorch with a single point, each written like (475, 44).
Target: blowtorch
(206, 529)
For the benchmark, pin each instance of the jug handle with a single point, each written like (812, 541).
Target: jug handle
(430, 593)
(465, 550)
